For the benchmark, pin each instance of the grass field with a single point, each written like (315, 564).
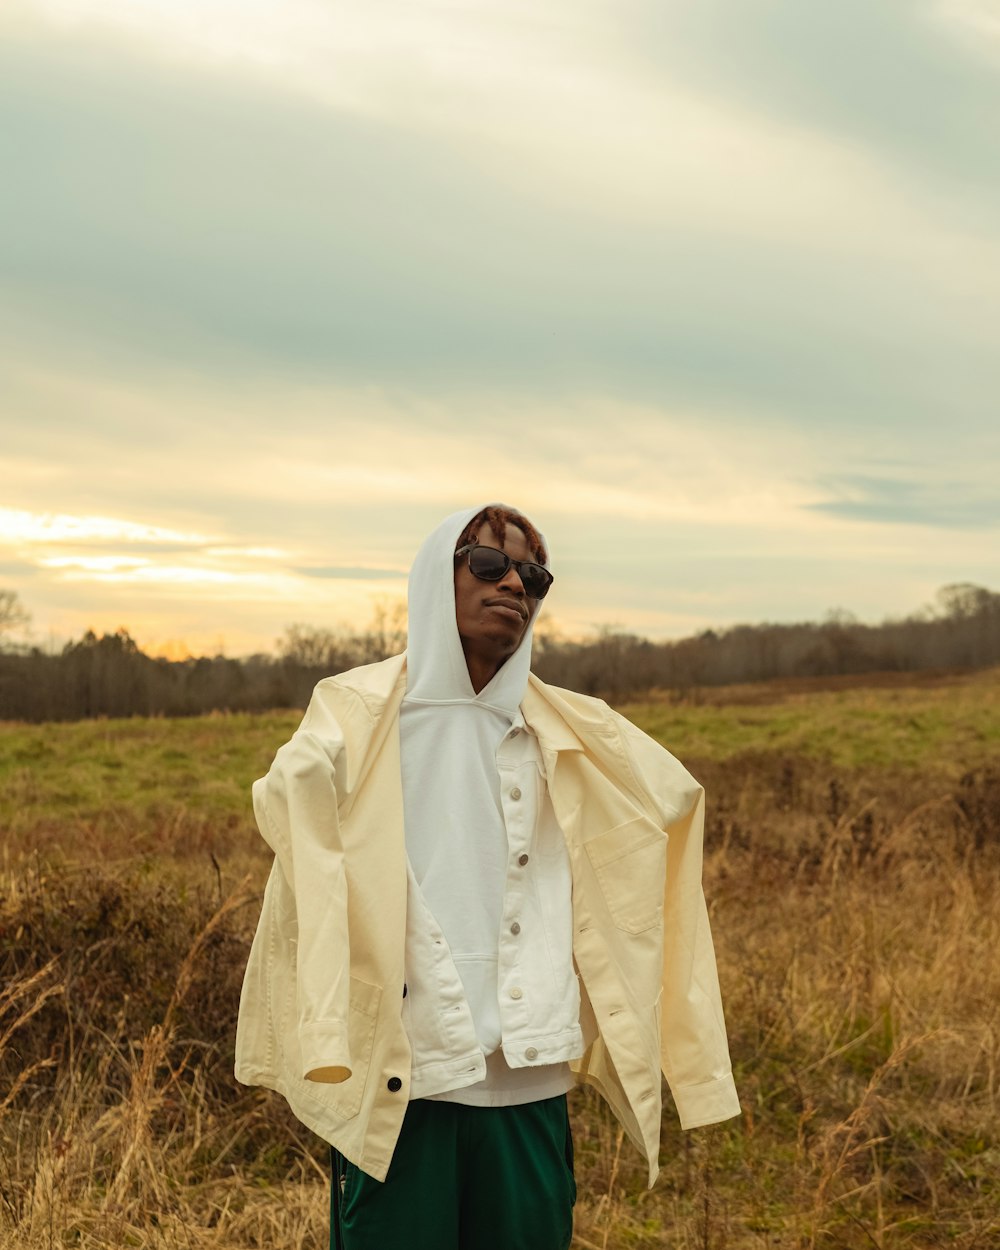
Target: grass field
(852, 870)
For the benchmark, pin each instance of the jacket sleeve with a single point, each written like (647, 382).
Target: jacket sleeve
(296, 805)
(694, 1050)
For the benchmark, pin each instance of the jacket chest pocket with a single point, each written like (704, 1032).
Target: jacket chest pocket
(630, 863)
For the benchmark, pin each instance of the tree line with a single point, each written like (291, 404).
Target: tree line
(111, 676)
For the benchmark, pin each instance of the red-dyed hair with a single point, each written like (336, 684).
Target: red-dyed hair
(498, 519)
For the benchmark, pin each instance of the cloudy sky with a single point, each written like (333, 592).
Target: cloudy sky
(711, 290)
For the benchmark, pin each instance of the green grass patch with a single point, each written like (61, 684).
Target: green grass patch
(148, 768)
(947, 728)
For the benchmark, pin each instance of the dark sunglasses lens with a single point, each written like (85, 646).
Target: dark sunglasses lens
(491, 564)
(535, 580)
(488, 563)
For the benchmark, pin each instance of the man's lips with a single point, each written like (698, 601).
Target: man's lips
(512, 605)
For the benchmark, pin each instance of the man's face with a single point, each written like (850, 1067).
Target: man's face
(492, 616)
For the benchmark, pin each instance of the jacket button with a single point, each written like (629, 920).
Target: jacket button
(522, 860)
(531, 1053)
(516, 992)
(515, 928)
(515, 794)
(394, 1084)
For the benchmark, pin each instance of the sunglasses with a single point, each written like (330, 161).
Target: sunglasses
(490, 564)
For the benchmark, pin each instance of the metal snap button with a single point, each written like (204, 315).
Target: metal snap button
(515, 793)
(531, 1053)
(522, 860)
(515, 928)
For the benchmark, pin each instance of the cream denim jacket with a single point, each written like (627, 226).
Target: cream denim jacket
(321, 1010)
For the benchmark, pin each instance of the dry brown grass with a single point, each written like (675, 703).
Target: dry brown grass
(857, 931)
(858, 953)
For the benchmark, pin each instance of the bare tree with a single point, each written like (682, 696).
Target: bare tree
(386, 635)
(310, 646)
(13, 616)
(961, 601)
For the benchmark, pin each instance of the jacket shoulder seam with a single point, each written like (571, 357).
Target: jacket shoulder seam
(335, 683)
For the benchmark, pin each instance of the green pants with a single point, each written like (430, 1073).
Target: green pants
(463, 1178)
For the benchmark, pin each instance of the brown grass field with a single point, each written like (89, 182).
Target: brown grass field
(852, 869)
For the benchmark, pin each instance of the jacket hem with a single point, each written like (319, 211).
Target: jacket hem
(318, 1119)
(439, 1078)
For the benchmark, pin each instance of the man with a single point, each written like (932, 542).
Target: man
(485, 890)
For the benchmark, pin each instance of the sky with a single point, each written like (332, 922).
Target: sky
(711, 291)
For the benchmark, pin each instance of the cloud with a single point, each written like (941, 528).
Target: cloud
(18, 570)
(895, 80)
(331, 469)
(334, 476)
(977, 20)
(168, 217)
(350, 573)
(727, 81)
(951, 504)
(282, 285)
(20, 526)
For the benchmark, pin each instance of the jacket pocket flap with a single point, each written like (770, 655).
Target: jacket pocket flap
(633, 835)
(630, 863)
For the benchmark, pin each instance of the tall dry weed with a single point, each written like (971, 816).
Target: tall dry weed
(856, 929)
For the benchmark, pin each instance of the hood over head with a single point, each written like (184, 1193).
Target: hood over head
(436, 671)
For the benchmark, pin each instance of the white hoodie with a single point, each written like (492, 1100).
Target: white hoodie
(456, 837)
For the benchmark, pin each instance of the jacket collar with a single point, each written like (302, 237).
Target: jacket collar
(547, 712)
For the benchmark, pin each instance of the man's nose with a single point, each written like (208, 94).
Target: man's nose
(511, 581)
